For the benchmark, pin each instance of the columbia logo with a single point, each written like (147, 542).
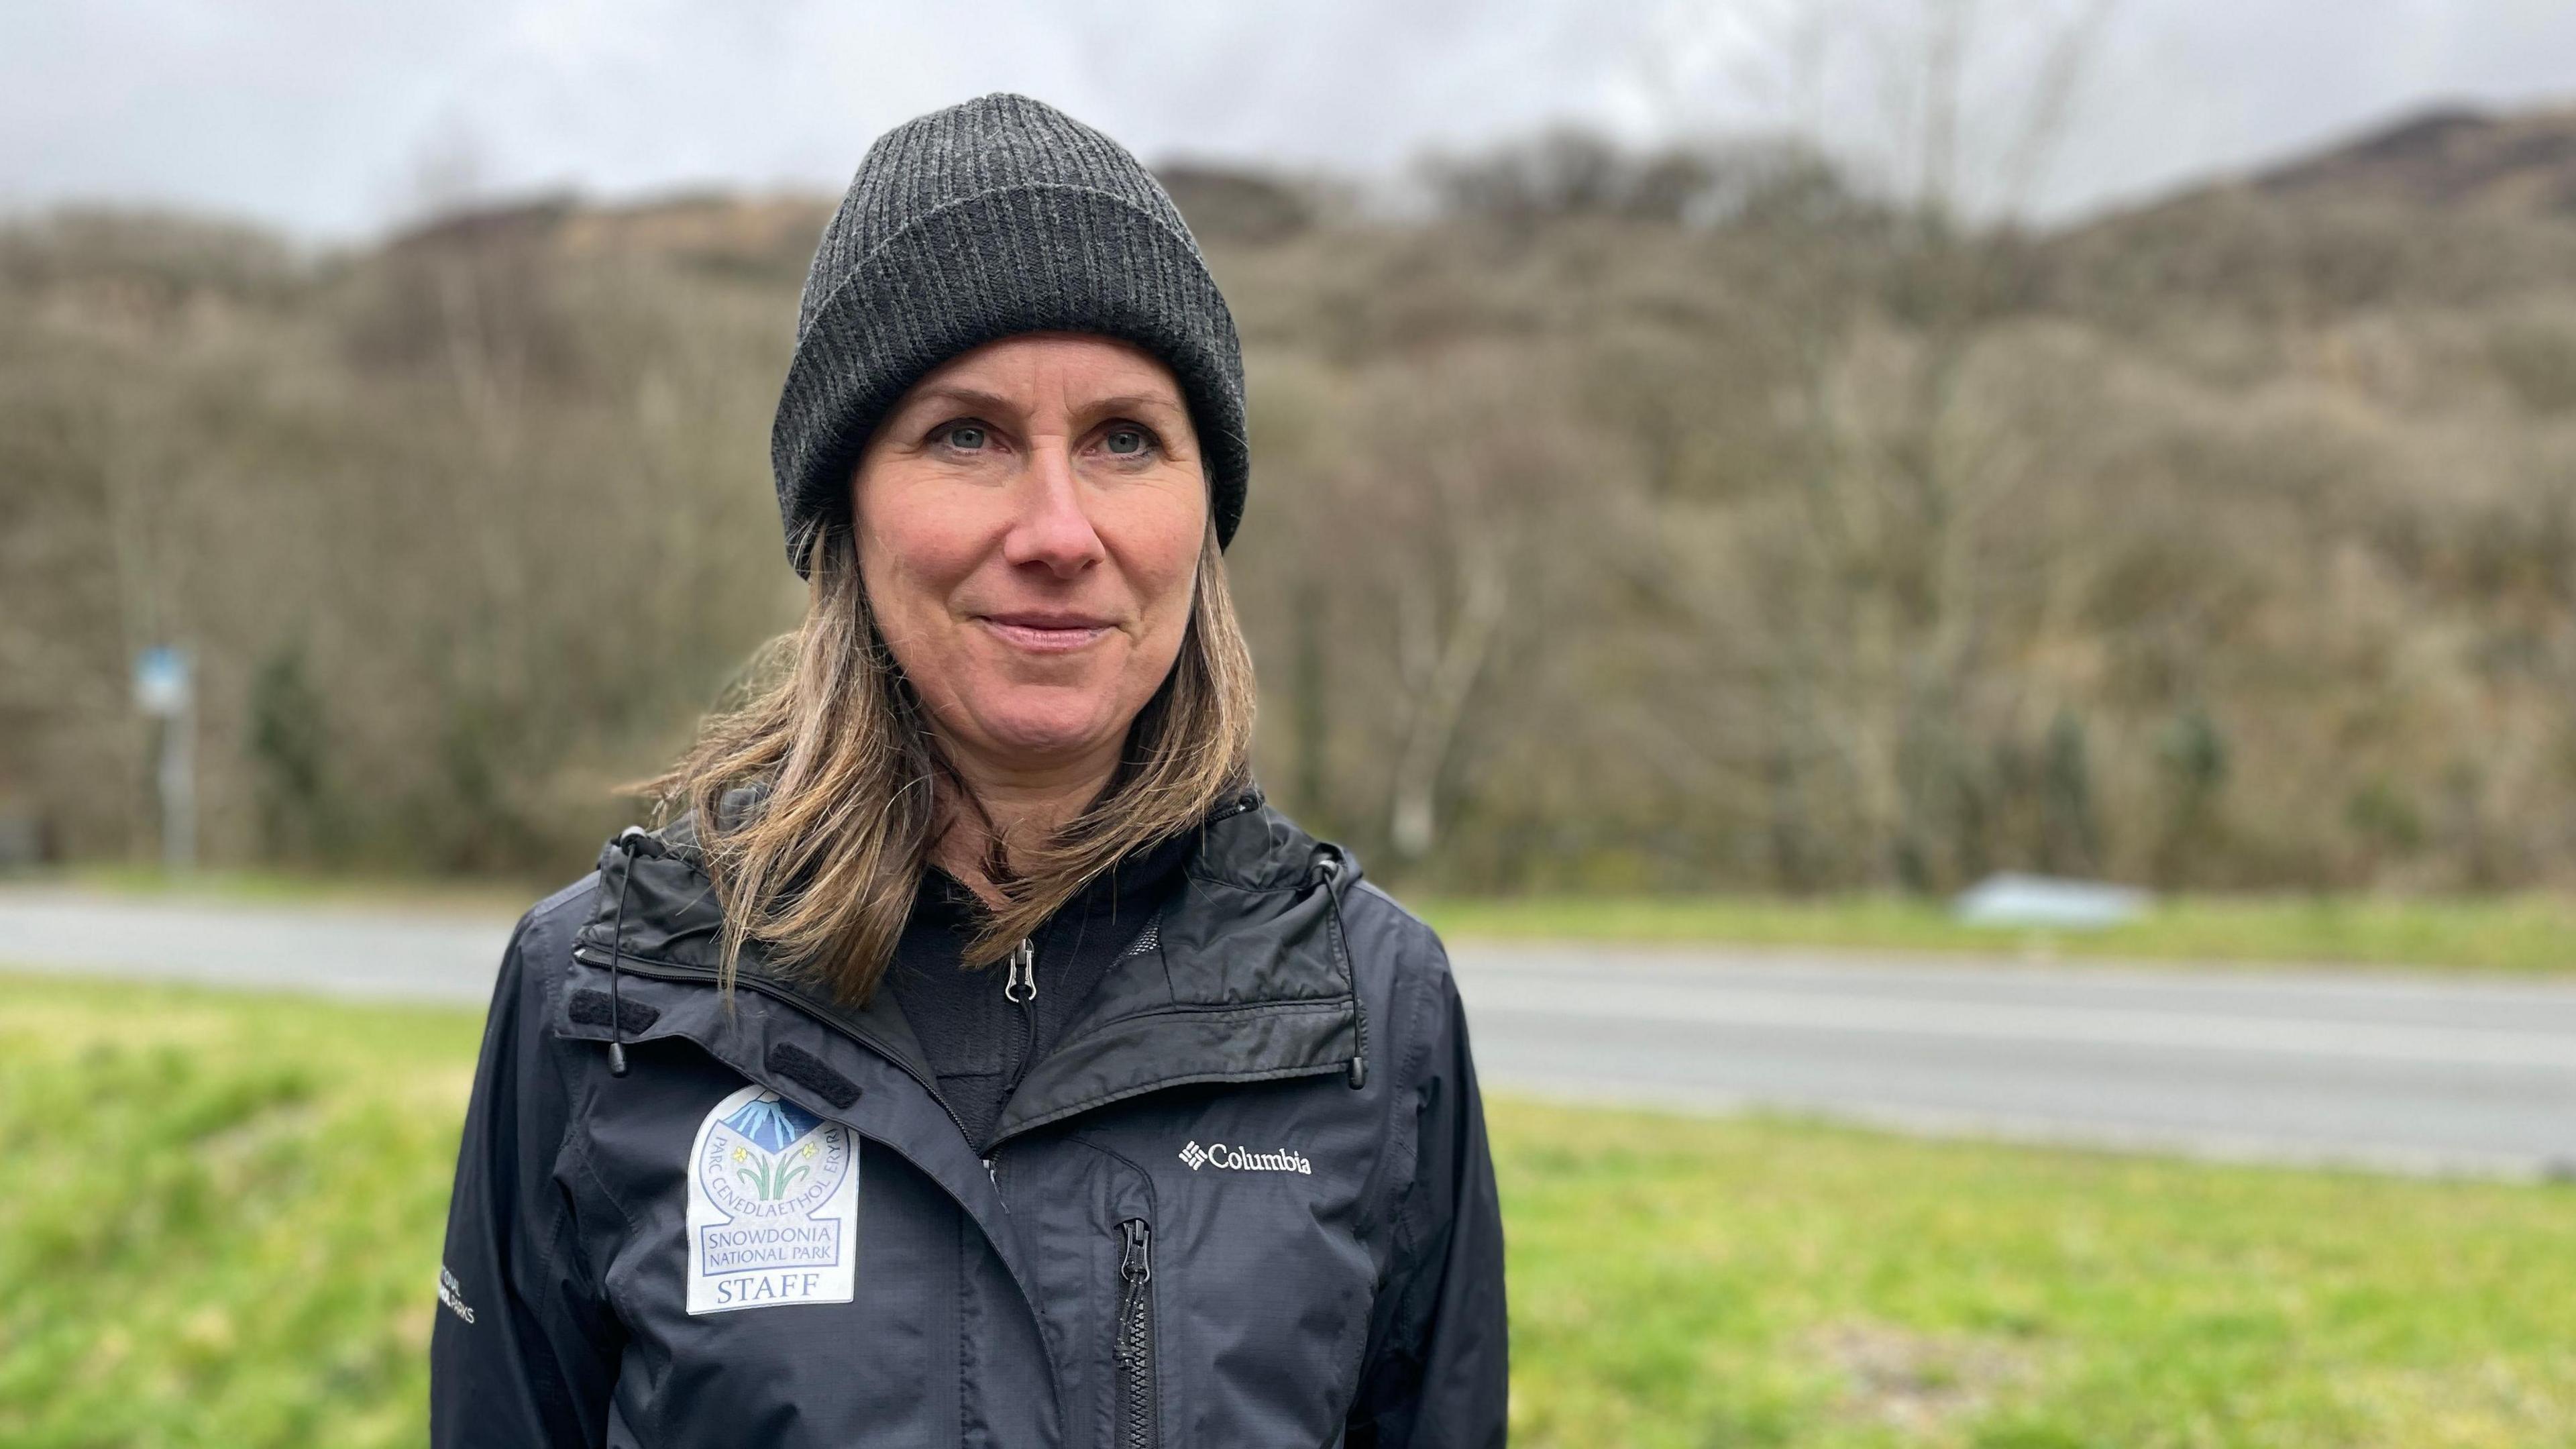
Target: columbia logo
(1237, 1159)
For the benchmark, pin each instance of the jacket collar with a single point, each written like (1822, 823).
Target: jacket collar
(1248, 978)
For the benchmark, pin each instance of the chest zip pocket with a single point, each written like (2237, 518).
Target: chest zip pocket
(1135, 1336)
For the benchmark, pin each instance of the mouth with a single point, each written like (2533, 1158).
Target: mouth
(1046, 632)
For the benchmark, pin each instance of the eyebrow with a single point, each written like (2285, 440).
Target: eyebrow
(983, 401)
(1132, 402)
(970, 397)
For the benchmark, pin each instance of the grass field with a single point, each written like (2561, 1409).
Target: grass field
(2526, 934)
(219, 1222)
(2522, 934)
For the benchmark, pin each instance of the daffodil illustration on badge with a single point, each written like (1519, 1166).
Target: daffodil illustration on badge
(773, 1206)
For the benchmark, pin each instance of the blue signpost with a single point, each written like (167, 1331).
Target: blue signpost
(165, 689)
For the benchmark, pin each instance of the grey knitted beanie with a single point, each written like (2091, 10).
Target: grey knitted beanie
(998, 216)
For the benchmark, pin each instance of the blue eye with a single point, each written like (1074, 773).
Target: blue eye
(968, 436)
(1127, 442)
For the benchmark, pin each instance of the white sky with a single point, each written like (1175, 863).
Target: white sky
(331, 118)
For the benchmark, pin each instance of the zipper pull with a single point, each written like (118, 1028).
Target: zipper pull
(1136, 1264)
(1135, 1269)
(1022, 987)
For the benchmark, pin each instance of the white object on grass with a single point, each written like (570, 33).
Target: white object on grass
(2012, 899)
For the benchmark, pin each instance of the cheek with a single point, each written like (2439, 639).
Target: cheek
(1158, 541)
(1165, 574)
(910, 562)
(1170, 611)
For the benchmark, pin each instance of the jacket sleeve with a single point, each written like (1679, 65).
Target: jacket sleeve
(1437, 1372)
(524, 1351)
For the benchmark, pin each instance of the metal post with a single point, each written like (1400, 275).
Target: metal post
(163, 689)
(179, 790)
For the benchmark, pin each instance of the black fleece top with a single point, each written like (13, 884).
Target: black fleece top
(978, 1041)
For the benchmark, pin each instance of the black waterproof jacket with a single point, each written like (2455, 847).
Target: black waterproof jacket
(1245, 1201)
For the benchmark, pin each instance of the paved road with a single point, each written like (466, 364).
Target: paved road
(2409, 1073)
(405, 956)
(2416, 1074)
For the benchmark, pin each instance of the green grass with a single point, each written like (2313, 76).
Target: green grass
(2526, 934)
(2532, 934)
(219, 1224)
(1765, 1282)
(220, 1215)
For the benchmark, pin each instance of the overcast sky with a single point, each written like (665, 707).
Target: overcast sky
(333, 119)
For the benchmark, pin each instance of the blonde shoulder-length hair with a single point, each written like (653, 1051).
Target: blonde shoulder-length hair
(849, 788)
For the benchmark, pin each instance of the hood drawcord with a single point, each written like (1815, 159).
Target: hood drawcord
(1329, 865)
(634, 841)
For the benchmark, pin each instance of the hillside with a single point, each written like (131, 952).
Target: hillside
(1778, 543)
(2445, 160)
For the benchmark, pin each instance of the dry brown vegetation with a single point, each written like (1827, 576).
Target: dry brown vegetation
(1636, 522)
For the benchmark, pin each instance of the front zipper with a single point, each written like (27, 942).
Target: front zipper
(1134, 1339)
(1020, 988)
(1022, 984)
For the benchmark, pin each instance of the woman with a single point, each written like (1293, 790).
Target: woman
(976, 1059)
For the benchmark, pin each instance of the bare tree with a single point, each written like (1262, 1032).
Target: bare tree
(1898, 468)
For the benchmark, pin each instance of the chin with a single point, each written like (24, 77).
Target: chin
(1045, 730)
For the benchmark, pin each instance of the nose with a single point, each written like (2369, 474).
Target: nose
(1051, 530)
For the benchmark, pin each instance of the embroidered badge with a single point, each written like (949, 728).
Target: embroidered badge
(773, 1206)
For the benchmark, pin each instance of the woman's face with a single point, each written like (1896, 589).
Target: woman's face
(1029, 522)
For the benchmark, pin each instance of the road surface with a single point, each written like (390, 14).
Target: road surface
(2415, 1073)
(2374, 1069)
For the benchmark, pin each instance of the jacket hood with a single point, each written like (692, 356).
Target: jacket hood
(1245, 973)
